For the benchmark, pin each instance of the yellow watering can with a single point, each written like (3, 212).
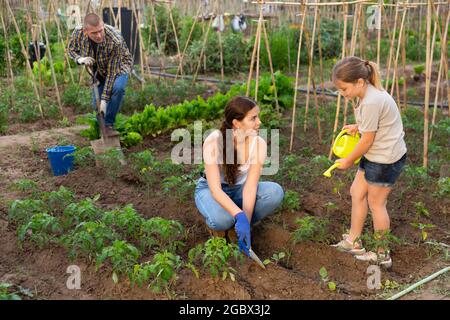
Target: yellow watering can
(342, 147)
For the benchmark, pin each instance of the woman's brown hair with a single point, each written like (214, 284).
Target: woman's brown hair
(237, 108)
(351, 69)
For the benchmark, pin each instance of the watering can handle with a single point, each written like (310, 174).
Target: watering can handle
(328, 172)
(345, 131)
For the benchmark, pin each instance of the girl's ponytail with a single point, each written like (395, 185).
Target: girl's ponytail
(374, 75)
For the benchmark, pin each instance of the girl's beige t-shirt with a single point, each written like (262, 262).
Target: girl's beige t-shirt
(378, 112)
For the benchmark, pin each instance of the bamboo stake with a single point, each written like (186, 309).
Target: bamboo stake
(222, 73)
(380, 3)
(297, 73)
(391, 49)
(319, 43)
(141, 54)
(61, 39)
(427, 87)
(310, 56)
(355, 26)
(404, 69)
(258, 56)
(50, 59)
(25, 53)
(444, 48)
(272, 72)
(394, 80)
(180, 68)
(338, 104)
(158, 42)
(442, 63)
(166, 35)
(258, 35)
(10, 72)
(175, 33)
(202, 51)
(362, 38)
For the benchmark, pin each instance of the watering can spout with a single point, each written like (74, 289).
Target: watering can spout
(328, 172)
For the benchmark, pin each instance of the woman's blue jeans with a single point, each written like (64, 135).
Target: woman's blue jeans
(268, 198)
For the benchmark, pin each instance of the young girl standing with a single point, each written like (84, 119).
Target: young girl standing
(382, 150)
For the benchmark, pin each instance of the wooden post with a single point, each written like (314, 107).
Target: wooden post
(297, 73)
(141, 53)
(50, 59)
(272, 71)
(355, 26)
(427, 86)
(391, 50)
(380, 3)
(338, 104)
(61, 39)
(180, 65)
(310, 56)
(394, 80)
(222, 73)
(174, 32)
(319, 43)
(258, 35)
(404, 69)
(10, 71)
(205, 40)
(27, 58)
(441, 66)
(258, 56)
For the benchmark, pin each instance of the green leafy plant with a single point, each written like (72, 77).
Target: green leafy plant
(162, 272)
(310, 228)
(291, 201)
(3, 117)
(20, 211)
(443, 187)
(40, 229)
(88, 239)
(276, 257)
(216, 254)
(324, 276)
(111, 161)
(379, 240)
(162, 234)
(421, 210)
(122, 255)
(10, 291)
(26, 186)
(84, 157)
(180, 186)
(77, 212)
(57, 201)
(419, 69)
(125, 221)
(423, 229)
(131, 139)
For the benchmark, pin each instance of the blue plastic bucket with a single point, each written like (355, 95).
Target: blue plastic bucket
(60, 159)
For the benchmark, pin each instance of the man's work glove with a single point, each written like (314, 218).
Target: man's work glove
(242, 228)
(103, 105)
(88, 61)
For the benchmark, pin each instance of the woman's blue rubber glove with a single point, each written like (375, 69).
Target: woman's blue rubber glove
(242, 228)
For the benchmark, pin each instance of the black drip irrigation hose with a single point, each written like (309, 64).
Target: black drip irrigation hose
(327, 92)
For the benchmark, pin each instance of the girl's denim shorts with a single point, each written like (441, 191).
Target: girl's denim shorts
(381, 174)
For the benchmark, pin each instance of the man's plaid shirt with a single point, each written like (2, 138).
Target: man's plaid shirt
(113, 56)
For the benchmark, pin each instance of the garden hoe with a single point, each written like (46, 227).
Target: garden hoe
(254, 257)
(105, 143)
